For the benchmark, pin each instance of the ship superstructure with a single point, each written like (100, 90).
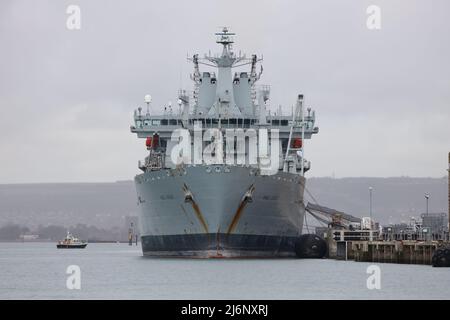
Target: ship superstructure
(236, 188)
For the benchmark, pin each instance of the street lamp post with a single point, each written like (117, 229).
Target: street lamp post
(427, 196)
(370, 206)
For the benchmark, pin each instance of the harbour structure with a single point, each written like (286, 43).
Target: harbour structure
(422, 241)
(198, 200)
(375, 246)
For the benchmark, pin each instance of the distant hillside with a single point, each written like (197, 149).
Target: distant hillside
(100, 204)
(105, 205)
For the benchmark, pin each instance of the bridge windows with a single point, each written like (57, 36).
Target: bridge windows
(280, 122)
(205, 122)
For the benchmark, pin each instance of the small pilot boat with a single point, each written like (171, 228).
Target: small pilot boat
(71, 242)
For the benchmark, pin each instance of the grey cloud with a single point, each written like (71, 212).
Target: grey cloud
(66, 97)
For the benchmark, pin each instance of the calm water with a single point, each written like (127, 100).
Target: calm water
(118, 271)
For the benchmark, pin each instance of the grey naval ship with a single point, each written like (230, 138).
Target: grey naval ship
(223, 208)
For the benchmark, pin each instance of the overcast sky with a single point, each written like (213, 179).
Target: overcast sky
(382, 97)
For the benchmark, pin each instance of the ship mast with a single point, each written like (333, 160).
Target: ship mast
(224, 104)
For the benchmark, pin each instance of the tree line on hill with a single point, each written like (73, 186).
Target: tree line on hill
(15, 232)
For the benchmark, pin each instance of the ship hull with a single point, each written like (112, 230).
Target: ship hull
(71, 246)
(218, 211)
(218, 245)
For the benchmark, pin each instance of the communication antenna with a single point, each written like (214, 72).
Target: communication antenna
(179, 105)
(148, 100)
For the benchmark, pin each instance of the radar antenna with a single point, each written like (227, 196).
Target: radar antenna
(225, 37)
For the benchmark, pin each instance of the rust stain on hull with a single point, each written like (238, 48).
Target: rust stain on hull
(245, 199)
(236, 217)
(190, 199)
(218, 253)
(199, 215)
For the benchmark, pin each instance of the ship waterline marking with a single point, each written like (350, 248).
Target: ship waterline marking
(242, 147)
